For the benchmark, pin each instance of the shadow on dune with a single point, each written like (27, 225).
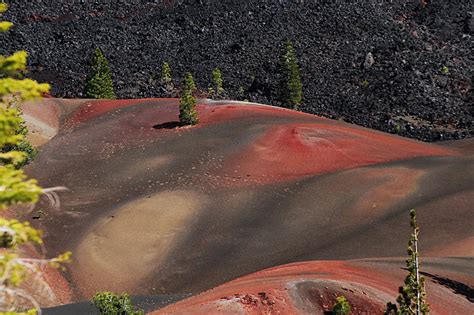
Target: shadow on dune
(168, 125)
(456, 286)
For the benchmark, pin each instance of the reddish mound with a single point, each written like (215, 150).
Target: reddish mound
(312, 287)
(128, 153)
(222, 112)
(95, 108)
(294, 150)
(209, 113)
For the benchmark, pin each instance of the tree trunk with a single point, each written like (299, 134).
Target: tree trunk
(417, 270)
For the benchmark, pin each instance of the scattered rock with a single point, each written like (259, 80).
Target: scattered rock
(369, 61)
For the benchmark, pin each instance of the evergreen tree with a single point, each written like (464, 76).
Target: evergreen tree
(187, 105)
(216, 89)
(16, 188)
(166, 77)
(99, 83)
(291, 86)
(412, 296)
(167, 88)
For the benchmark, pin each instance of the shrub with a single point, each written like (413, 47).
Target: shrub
(444, 70)
(99, 83)
(187, 105)
(342, 307)
(109, 303)
(216, 89)
(291, 86)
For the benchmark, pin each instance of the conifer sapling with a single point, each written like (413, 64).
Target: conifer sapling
(166, 77)
(187, 105)
(412, 296)
(291, 86)
(216, 89)
(99, 83)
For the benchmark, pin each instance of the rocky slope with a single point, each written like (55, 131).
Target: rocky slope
(419, 85)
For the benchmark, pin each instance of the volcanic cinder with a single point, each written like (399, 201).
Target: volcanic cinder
(420, 84)
(154, 208)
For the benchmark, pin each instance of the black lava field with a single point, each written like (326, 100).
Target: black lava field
(420, 85)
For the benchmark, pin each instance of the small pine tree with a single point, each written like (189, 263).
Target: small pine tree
(216, 89)
(166, 85)
(291, 86)
(342, 306)
(412, 296)
(187, 105)
(99, 83)
(166, 77)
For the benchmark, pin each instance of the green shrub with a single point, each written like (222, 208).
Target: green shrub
(291, 86)
(187, 105)
(99, 83)
(216, 89)
(109, 303)
(342, 307)
(444, 70)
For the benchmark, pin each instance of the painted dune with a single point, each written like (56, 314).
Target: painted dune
(311, 287)
(156, 209)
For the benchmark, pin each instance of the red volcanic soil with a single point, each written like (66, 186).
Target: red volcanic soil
(295, 150)
(287, 151)
(226, 112)
(249, 188)
(312, 287)
(95, 108)
(208, 114)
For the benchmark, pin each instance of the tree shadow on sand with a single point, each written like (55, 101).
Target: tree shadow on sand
(456, 286)
(168, 125)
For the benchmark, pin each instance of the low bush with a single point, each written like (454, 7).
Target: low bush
(342, 307)
(109, 303)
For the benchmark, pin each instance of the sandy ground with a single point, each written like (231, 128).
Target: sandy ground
(141, 233)
(153, 209)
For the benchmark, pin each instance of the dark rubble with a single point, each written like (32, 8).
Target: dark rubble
(419, 86)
